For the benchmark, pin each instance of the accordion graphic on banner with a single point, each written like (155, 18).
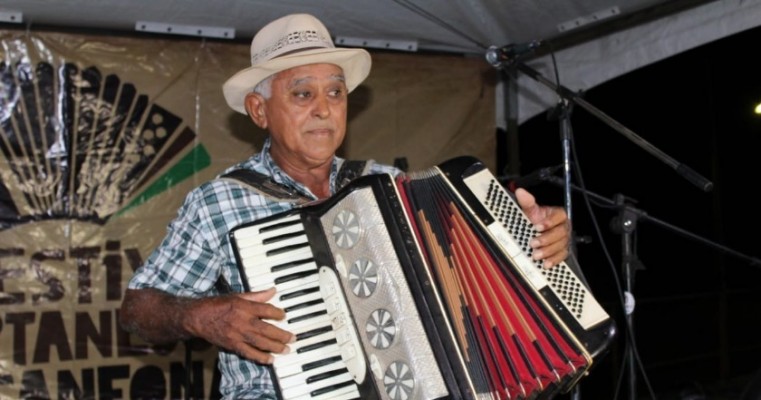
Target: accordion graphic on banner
(421, 287)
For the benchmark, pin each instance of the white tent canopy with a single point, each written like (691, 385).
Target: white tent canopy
(591, 63)
(593, 40)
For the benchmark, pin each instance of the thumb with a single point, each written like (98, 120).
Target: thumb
(526, 200)
(535, 213)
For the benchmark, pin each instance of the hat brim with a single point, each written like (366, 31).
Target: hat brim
(354, 62)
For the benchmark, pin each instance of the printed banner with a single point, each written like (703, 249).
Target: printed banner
(101, 137)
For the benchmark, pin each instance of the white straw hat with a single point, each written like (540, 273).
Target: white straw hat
(292, 41)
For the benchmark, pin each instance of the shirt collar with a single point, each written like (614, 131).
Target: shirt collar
(279, 176)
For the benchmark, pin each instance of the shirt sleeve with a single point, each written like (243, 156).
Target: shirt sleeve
(197, 250)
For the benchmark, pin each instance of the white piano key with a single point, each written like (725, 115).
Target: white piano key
(318, 323)
(303, 325)
(261, 250)
(309, 341)
(256, 230)
(285, 241)
(300, 379)
(281, 359)
(252, 239)
(295, 300)
(286, 366)
(343, 393)
(322, 383)
(349, 392)
(260, 264)
(304, 311)
(283, 287)
(268, 278)
(307, 280)
(292, 363)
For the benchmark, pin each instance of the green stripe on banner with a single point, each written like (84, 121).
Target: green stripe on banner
(196, 160)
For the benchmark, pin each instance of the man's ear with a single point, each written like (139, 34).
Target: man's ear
(254, 104)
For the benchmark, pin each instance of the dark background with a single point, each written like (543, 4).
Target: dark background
(698, 307)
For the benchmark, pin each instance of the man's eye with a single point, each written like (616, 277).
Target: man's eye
(303, 94)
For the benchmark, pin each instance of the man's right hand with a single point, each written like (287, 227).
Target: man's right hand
(235, 322)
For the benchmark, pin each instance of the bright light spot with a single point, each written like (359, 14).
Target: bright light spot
(757, 110)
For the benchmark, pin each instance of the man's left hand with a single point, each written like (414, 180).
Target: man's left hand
(551, 245)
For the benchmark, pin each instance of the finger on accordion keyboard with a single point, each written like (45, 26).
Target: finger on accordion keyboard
(298, 297)
(305, 343)
(303, 324)
(305, 311)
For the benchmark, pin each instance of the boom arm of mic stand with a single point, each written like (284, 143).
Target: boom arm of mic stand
(643, 216)
(683, 170)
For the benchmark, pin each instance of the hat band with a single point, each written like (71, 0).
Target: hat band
(292, 39)
(296, 51)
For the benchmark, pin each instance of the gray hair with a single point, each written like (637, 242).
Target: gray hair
(264, 88)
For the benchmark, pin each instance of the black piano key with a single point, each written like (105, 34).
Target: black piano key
(314, 332)
(285, 236)
(330, 388)
(291, 264)
(320, 363)
(317, 345)
(299, 293)
(302, 305)
(299, 275)
(326, 375)
(279, 225)
(307, 316)
(285, 249)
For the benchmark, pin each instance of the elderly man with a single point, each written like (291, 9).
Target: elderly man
(296, 89)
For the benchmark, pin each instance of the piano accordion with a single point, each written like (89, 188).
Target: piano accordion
(421, 287)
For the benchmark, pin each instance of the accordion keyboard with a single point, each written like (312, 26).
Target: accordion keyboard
(356, 303)
(320, 362)
(513, 231)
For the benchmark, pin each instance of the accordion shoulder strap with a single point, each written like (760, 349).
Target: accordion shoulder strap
(264, 185)
(352, 169)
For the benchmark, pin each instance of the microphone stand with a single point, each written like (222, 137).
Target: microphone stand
(626, 224)
(563, 110)
(569, 97)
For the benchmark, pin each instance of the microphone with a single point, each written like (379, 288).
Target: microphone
(499, 56)
(536, 177)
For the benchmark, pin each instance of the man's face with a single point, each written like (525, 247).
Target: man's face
(306, 115)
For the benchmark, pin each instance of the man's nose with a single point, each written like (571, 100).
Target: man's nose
(321, 107)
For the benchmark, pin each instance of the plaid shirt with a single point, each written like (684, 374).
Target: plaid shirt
(197, 250)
